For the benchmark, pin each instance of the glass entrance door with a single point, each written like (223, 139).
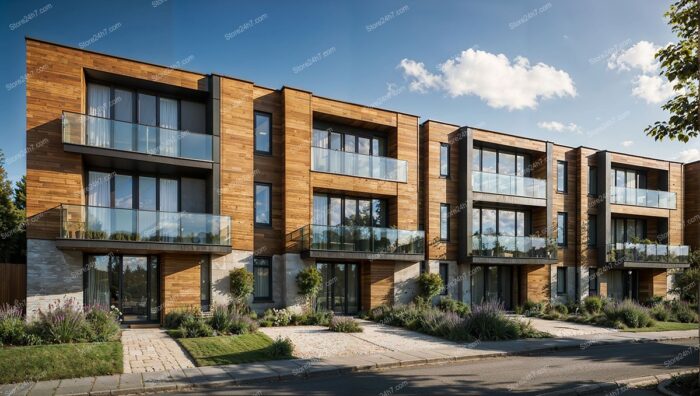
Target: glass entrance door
(340, 288)
(135, 288)
(493, 282)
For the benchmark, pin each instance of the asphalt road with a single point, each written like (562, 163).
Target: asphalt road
(512, 375)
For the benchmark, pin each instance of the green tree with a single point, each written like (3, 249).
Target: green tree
(680, 64)
(21, 193)
(12, 239)
(429, 285)
(241, 286)
(309, 283)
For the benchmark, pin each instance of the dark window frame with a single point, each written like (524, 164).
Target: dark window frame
(268, 265)
(344, 197)
(445, 175)
(527, 170)
(255, 205)
(565, 179)
(592, 224)
(255, 135)
(445, 238)
(206, 302)
(592, 184)
(565, 229)
(561, 286)
(446, 278)
(593, 277)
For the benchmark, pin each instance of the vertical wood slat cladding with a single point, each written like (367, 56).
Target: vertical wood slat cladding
(659, 282)
(13, 283)
(407, 193)
(566, 202)
(692, 204)
(376, 284)
(237, 175)
(56, 83)
(298, 195)
(587, 205)
(536, 282)
(180, 282)
(438, 190)
(269, 169)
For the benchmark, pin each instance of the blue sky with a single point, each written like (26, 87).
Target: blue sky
(578, 87)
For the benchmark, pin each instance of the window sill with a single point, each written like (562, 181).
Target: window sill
(263, 300)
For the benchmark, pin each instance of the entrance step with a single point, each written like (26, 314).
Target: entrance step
(144, 326)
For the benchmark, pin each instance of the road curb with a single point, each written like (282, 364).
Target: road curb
(623, 385)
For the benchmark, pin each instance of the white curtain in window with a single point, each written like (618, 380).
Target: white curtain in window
(98, 281)
(98, 211)
(99, 108)
(169, 222)
(168, 119)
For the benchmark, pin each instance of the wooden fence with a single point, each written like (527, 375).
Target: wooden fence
(13, 283)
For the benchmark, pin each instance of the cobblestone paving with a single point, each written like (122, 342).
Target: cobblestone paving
(147, 350)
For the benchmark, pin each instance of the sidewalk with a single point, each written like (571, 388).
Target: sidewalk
(182, 379)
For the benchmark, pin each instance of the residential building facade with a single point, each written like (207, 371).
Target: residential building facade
(148, 185)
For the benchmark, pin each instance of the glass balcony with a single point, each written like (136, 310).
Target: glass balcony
(118, 135)
(132, 225)
(362, 239)
(513, 246)
(496, 183)
(360, 165)
(643, 252)
(642, 197)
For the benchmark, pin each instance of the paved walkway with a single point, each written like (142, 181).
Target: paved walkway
(561, 328)
(150, 350)
(213, 376)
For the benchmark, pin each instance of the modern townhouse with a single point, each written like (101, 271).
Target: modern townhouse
(147, 185)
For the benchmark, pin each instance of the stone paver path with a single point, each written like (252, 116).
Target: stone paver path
(319, 342)
(560, 328)
(147, 350)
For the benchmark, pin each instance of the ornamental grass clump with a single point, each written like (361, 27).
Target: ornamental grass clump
(344, 324)
(628, 313)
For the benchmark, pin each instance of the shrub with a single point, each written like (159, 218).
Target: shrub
(309, 283)
(221, 318)
(683, 312)
(241, 286)
(429, 285)
(629, 313)
(559, 308)
(660, 312)
(63, 323)
(13, 329)
(274, 317)
(281, 348)
(176, 317)
(243, 325)
(103, 324)
(593, 304)
(320, 318)
(533, 308)
(344, 325)
(488, 322)
(193, 328)
(448, 304)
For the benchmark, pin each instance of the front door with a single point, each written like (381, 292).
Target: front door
(135, 288)
(493, 282)
(340, 288)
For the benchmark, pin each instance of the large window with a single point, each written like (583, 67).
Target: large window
(503, 162)
(349, 211)
(592, 230)
(562, 228)
(263, 132)
(205, 287)
(263, 204)
(444, 160)
(119, 190)
(561, 280)
(262, 277)
(562, 182)
(486, 221)
(592, 180)
(445, 222)
(348, 139)
(445, 274)
(628, 230)
(629, 178)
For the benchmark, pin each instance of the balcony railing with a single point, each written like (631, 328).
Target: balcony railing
(132, 225)
(642, 252)
(362, 239)
(359, 165)
(642, 197)
(513, 246)
(521, 186)
(100, 132)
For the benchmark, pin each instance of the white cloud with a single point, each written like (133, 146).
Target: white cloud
(639, 56)
(653, 89)
(689, 155)
(627, 143)
(493, 78)
(559, 127)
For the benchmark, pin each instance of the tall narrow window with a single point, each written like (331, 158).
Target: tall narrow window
(592, 180)
(444, 274)
(263, 132)
(592, 230)
(205, 287)
(561, 228)
(262, 278)
(263, 204)
(562, 183)
(98, 106)
(561, 280)
(592, 282)
(444, 159)
(445, 222)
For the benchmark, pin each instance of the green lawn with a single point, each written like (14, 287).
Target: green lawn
(46, 362)
(245, 348)
(665, 326)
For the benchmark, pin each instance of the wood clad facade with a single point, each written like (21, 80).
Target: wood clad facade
(692, 209)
